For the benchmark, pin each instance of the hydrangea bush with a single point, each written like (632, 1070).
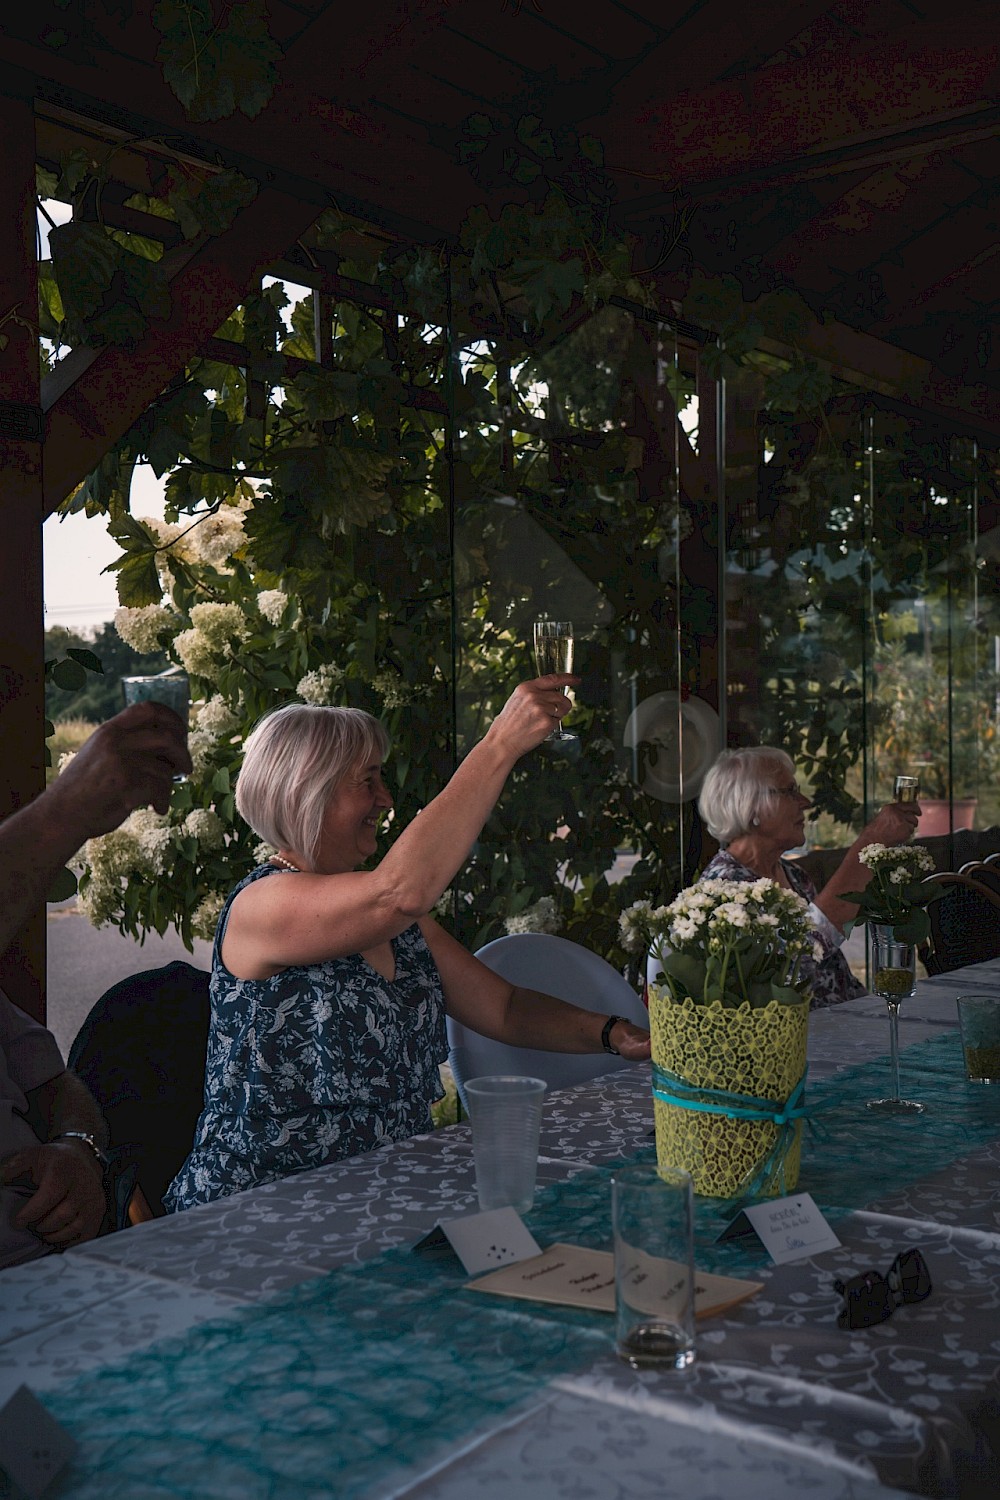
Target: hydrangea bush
(726, 941)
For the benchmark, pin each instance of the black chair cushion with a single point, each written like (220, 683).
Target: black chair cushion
(141, 1052)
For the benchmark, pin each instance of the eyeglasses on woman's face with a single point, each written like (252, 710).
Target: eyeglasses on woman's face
(792, 791)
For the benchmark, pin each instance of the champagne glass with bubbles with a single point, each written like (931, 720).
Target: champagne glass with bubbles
(554, 653)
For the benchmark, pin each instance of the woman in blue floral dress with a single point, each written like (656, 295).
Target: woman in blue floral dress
(330, 982)
(751, 803)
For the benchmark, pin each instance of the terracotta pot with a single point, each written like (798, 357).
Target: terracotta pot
(939, 816)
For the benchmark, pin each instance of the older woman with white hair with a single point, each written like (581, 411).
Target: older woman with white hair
(330, 982)
(751, 803)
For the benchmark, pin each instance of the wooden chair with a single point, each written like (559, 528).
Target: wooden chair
(141, 1052)
(965, 919)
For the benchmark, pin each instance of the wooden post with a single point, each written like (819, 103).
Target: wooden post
(22, 739)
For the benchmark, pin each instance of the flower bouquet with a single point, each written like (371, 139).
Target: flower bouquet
(893, 905)
(728, 1010)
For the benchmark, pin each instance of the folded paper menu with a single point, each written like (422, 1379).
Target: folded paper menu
(576, 1277)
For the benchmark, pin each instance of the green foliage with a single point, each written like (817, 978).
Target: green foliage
(103, 660)
(218, 58)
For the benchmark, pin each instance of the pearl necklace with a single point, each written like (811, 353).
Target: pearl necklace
(284, 864)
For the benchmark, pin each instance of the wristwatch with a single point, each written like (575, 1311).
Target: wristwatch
(88, 1140)
(606, 1035)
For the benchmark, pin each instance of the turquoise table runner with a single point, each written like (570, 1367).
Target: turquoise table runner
(355, 1378)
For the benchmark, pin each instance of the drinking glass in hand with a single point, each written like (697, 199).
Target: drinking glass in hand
(171, 690)
(554, 653)
(906, 788)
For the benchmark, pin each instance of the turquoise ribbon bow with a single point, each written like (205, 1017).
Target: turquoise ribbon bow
(671, 1089)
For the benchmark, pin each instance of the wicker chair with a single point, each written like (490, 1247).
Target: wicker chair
(965, 919)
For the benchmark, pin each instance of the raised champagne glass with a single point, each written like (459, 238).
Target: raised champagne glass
(906, 788)
(554, 653)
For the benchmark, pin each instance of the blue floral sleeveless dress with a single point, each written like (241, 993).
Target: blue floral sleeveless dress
(319, 1062)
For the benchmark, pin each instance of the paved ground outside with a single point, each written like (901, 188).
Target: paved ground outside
(84, 961)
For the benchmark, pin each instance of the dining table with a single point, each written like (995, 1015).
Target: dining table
(294, 1341)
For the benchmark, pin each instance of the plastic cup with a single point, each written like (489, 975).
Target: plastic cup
(653, 1214)
(506, 1114)
(979, 1018)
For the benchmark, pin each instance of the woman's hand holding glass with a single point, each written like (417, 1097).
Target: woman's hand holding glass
(531, 712)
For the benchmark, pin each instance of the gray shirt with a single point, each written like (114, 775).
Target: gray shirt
(29, 1057)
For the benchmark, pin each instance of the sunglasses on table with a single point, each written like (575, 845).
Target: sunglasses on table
(871, 1298)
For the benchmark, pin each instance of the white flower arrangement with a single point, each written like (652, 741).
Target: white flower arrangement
(895, 893)
(218, 536)
(734, 942)
(542, 917)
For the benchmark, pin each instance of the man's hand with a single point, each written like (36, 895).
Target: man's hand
(69, 1203)
(129, 761)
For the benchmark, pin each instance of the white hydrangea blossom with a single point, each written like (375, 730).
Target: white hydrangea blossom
(205, 917)
(219, 624)
(542, 917)
(217, 719)
(143, 629)
(217, 537)
(318, 686)
(272, 604)
(200, 747)
(195, 653)
(99, 901)
(205, 825)
(64, 760)
(263, 852)
(152, 834)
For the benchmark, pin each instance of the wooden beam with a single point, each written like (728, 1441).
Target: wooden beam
(104, 400)
(22, 737)
(832, 102)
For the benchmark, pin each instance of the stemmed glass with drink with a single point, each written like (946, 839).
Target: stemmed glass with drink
(553, 640)
(906, 788)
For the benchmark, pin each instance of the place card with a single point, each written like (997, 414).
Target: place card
(34, 1447)
(573, 1276)
(789, 1228)
(481, 1241)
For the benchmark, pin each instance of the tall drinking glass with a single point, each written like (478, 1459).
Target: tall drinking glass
(171, 689)
(553, 641)
(906, 788)
(506, 1116)
(653, 1216)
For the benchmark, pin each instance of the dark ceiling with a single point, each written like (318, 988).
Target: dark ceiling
(849, 151)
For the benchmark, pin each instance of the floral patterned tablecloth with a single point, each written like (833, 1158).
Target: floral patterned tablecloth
(779, 1401)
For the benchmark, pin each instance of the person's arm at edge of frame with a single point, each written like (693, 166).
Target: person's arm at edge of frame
(128, 762)
(69, 1201)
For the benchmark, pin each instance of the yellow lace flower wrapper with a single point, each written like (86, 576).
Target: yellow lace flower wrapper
(743, 1050)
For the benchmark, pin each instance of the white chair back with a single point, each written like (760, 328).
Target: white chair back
(558, 967)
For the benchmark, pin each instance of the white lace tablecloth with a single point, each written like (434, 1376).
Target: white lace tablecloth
(780, 1402)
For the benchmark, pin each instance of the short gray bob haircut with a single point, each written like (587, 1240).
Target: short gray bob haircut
(736, 788)
(293, 761)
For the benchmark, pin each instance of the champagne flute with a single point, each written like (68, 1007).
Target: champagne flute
(906, 788)
(554, 653)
